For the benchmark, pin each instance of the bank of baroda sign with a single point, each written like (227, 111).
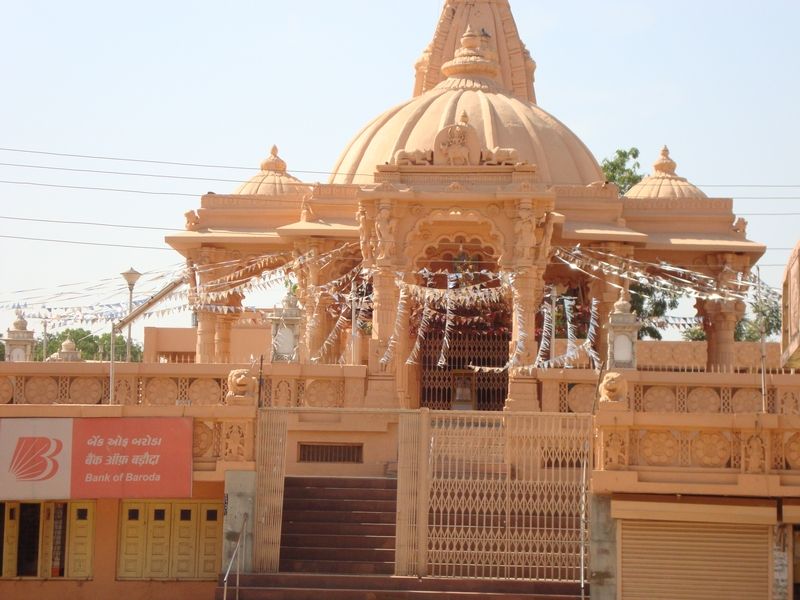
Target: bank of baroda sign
(95, 458)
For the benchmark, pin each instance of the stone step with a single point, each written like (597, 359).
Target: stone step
(334, 554)
(386, 529)
(342, 482)
(336, 493)
(336, 566)
(356, 594)
(334, 516)
(382, 586)
(304, 504)
(318, 539)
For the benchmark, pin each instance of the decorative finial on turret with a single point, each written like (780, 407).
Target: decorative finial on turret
(474, 58)
(464, 119)
(274, 162)
(665, 164)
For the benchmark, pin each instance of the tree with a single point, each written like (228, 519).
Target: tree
(2, 352)
(91, 346)
(618, 171)
(647, 302)
(764, 311)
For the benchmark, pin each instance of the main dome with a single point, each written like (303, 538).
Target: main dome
(500, 119)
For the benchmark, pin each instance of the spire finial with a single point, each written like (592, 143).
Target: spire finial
(474, 58)
(664, 165)
(274, 162)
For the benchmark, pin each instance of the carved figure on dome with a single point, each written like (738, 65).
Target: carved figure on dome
(242, 388)
(457, 145)
(500, 156)
(384, 229)
(523, 232)
(364, 235)
(192, 220)
(614, 388)
(740, 226)
(413, 158)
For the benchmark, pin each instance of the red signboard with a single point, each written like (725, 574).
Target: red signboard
(96, 458)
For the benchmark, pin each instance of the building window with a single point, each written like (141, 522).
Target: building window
(46, 539)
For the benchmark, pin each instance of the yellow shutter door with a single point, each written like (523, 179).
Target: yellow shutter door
(132, 540)
(11, 539)
(184, 540)
(159, 516)
(209, 553)
(46, 548)
(80, 535)
(667, 560)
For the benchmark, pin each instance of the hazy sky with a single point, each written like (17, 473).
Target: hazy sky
(219, 82)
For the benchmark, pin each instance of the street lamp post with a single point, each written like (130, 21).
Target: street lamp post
(131, 276)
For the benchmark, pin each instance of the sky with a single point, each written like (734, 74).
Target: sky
(217, 83)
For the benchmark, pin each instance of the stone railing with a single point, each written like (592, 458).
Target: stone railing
(692, 356)
(150, 384)
(573, 390)
(722, 454)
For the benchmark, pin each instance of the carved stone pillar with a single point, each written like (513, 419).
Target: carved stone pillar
(206, 331)
(222, 338)
(719, 322)
(606, 291)
(528, 293)
(384, 312)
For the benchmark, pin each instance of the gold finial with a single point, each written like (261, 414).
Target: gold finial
(665, 164)
(274, 162)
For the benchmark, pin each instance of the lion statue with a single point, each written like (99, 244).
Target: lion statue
(614, 388)
(242, 387)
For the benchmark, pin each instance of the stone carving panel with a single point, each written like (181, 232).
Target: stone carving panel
(754, 455)
(283, 394)
(161, 391)
(202, 439)
(323, 393)
(203, 392)
(792, 452)
(659, 399)
(616, 454)
(703, 400)
(581, 398)
(124, 392)
(659, 448)
(41, 390)
(85, 390)
(6, 390)
(711, 449)
(746, 400)
(789, 401)
(234, 441)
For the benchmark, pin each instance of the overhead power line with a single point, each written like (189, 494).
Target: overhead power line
(92, 223)
(251, 168)
(82, 243)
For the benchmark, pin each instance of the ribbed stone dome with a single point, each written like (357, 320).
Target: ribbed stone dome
(273, 180)
(664, 183)
(500, 120)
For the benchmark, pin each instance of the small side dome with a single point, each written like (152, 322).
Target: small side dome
(68, 346)
(273, 180)
(20, 324)
(664, 183)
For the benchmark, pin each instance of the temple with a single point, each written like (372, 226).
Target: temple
(453, 397)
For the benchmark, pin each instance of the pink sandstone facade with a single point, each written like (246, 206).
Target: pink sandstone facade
(448, 222)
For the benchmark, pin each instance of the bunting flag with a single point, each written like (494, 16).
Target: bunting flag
(402, 316)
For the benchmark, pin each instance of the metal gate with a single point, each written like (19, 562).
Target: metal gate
(487, 390)
(492, 495)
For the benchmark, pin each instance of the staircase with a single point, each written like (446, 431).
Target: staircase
(337, 543)
(338, 525)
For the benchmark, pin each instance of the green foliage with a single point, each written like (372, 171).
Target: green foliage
(91, 346)
(623, 169)
(748, 329)
(2, 352)
(648, 302)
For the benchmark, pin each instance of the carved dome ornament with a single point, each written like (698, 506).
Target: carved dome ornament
(581, 398)
(659, 448)
(204, 392)
(322, 393)
(273, 180)
(85, 390)
(659, 399)
(746, 400)
(41, 390)
(6, 390)
(703, 400)
(162, 391)
(711, 449)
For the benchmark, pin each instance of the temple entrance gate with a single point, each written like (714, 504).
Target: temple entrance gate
(492, 495)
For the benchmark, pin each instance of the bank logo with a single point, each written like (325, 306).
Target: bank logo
(34, 458)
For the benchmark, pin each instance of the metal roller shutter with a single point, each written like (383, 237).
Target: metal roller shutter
(667, 560)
